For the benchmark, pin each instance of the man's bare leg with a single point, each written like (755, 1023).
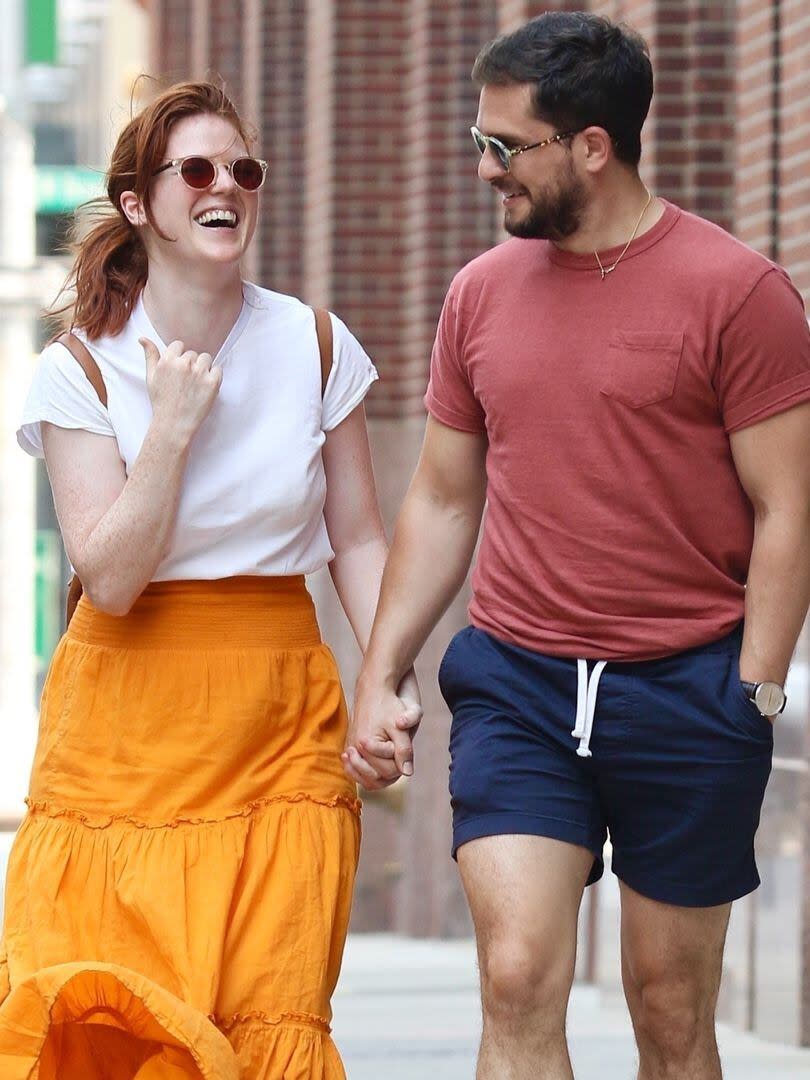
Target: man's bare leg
(672, 960)
(524, 893)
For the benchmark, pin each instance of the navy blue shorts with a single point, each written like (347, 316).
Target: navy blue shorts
(672, 765)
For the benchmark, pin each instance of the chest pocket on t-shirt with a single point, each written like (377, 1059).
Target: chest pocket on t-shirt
(642, 366)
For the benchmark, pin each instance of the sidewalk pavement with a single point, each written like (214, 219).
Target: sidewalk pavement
(408, 1009)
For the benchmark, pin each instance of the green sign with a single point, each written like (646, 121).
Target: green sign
(40, 31)
(61, 188)
(47, 596)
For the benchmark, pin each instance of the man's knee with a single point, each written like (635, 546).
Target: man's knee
(672, 1018)
(519, 979)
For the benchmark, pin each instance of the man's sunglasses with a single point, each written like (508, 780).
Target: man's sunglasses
(200, 173)
(504, 153)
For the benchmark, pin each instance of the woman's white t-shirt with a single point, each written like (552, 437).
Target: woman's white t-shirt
(254, 487)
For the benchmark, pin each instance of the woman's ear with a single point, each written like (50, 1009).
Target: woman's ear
(132, 208)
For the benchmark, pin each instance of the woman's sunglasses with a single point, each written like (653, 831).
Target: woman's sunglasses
(200, 173)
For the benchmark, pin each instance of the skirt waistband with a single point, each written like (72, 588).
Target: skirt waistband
(236, 612)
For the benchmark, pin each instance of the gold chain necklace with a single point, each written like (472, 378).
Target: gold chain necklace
(609, 269)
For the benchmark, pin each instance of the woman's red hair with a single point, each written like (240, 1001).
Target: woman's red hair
(110, 264)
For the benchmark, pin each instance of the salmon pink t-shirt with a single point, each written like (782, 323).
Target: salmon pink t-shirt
(616, 526)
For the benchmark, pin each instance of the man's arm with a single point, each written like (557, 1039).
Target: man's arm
(433, 545)
(772, 459)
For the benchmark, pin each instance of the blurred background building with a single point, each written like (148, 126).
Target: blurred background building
(362, 108)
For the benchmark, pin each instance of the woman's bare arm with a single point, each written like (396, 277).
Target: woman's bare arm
(116, 528)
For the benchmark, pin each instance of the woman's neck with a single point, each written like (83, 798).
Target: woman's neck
(200, 314)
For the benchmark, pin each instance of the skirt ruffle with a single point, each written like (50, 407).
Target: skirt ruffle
(74, 1021)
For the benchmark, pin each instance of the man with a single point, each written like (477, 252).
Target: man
(628, 387)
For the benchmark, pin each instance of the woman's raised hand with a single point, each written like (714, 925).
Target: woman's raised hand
(182, 385)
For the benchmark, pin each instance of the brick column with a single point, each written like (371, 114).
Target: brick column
(200, 44)
(282, 115)
(319, 152)
(711, 108)
(225, 40)
(171, 39)
(756, 126)
(447, 208)
(792, 100)
(363, 151)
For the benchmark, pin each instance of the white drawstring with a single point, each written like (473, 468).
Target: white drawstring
(586, 704)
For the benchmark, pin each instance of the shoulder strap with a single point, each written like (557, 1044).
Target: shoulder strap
(323, 328)
(74, 595)
(81, 354)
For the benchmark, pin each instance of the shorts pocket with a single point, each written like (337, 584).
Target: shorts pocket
(642, 366)
(444, 667)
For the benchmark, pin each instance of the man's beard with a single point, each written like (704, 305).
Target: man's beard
(554, 215)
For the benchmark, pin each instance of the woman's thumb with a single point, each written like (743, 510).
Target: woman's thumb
(150, 352)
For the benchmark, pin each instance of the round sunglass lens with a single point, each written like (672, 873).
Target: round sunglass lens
(198, 172)
(248, 173)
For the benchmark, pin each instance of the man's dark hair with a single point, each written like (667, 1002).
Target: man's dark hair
(585, 71)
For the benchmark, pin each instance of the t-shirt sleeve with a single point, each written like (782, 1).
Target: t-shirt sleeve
(350, 378)
(60, 394)
(450, 397)
(764, 354)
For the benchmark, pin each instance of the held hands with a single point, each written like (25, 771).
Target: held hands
(379, 746)
(182, 385)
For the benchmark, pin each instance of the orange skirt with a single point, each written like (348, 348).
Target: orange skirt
(178, 894)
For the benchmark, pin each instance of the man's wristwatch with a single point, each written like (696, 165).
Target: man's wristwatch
(769, 697)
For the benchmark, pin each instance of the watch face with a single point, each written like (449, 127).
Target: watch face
(769, 698)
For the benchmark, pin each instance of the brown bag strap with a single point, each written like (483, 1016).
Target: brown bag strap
(81, 354)
(74, 595)
(323, 328)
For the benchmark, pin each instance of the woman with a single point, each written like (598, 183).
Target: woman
(179, 891)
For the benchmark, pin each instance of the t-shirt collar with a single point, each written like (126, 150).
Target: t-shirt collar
(145, 327)
(587, 261)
